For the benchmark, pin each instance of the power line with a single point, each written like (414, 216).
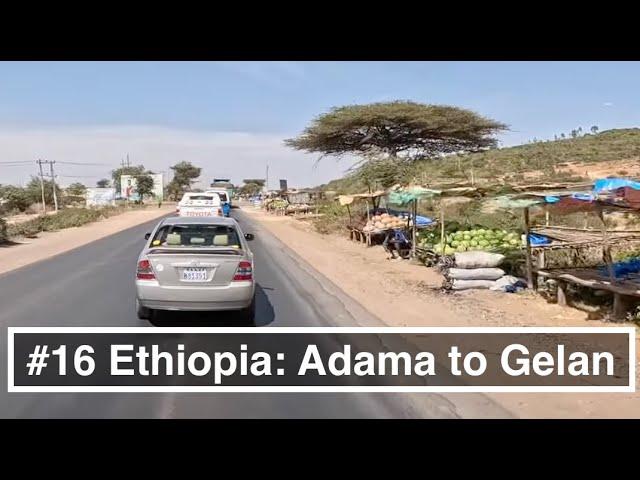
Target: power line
(15, 162)
(81, 163)
(78, 176)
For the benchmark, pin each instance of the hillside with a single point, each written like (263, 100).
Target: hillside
(611, 152)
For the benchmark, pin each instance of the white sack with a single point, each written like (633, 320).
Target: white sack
(478, 259)
(469, 284)
(475, 273)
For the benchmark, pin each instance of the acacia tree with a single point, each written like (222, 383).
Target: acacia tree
(380, 173)
(257, 181)
(144, 186)
(251, 187)
(184, 174)
(402, 128)
(103, 183)
(34, 191)
(76, 189)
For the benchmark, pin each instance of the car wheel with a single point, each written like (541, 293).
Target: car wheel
(249, 314)
(143, 313)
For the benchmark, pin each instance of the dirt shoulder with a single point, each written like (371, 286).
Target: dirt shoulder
(402, 294)
(21, 252)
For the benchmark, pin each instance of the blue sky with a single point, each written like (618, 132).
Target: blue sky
(230, 117)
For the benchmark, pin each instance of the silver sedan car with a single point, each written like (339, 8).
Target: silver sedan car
(196, 263)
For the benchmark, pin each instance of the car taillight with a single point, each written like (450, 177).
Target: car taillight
(145, 272)
(219, 211)
(243, 272)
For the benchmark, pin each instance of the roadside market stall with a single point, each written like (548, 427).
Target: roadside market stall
(357, 225)
(275, 203)
(410, 195)
(302, 201)
(605, 196)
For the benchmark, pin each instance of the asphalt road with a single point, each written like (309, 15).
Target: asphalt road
(93, 286)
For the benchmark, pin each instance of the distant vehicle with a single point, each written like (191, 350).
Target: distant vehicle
(225, 185)
(196, 204)
(196, 264)
(222, 193)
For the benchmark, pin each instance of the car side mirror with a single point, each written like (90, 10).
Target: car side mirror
(248, 236)
(146, 236)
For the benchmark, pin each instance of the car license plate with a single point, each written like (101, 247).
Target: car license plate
(194, 275)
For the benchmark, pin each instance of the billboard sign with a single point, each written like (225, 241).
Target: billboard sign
(283, 185)
(129, 184)
(100, 197)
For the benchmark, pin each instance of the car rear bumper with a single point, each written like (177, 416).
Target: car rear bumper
(236, 296)
(194, 306)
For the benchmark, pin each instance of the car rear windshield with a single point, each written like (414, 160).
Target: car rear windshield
(199, 197)
(196, 235)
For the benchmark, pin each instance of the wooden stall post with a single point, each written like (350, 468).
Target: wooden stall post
(621, 305)
(528, 249)
(562, 294)
(368, 234)
(442, 225)
(606, 248)
(414, 235)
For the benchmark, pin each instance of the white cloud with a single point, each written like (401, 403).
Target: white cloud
(237, 155)
(607, 104)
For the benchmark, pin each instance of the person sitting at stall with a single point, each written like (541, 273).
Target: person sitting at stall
(396, 241)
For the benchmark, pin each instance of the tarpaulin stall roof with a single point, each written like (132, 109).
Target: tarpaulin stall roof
(349, 199)
(603, 185)
(404, 196)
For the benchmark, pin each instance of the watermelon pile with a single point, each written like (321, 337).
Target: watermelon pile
(481, 239)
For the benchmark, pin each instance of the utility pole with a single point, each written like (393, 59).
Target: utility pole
(53, 182)
(44, 206)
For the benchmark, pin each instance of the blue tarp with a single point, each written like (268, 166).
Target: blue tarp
(587, 197)
(622, 269)
(536, 239)
(610, 184)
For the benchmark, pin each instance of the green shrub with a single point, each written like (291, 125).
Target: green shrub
(3, 231)
(67, 218)
(16, 198)
(334, 217)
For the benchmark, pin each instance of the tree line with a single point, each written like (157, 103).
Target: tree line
(17, 199)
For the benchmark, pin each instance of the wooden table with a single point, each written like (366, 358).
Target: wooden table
(624, 289)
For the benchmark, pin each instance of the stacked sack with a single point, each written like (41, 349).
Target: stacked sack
(479, 270)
